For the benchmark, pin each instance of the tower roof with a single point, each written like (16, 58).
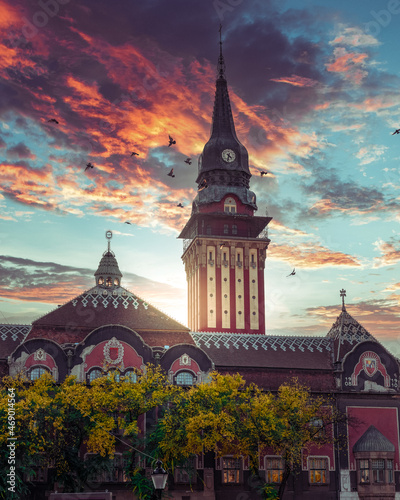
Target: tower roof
(224, 161)
(108, 265)
(373, 440)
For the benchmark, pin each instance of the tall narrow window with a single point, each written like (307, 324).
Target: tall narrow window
(363, 467)
(378, 470)
(234, 229)
(226, 229)
(389, 467)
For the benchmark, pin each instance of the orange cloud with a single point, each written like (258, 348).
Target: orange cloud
(311, 256)
(296, 81)
(390, 253)
(349, 64)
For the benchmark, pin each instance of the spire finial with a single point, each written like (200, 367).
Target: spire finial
(343, 295)
(108, 237)
(221, 63)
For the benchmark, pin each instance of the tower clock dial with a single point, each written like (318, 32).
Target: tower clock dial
(228, 155)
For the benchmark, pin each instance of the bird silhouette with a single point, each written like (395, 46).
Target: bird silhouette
(127, 222)
(292, 273)
(89, 165)
(396, 131)
(264, 172)
(53, 120)
(133, 153)
(188, 161)
(171, 174)
(171, 141)
(222, 245)
(180, 205)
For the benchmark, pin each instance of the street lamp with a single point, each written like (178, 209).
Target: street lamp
(159, 477)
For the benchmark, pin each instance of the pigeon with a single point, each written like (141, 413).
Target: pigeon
(171, 141)
(292, 273)
(180, 205)
(222, 245)
(127, 222)
(133, 153)
(396, 131)
(89, 165)
(53, 120)
(171, 174)
(188, 161)
(263, 172)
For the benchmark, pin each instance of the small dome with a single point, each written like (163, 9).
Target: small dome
(108, 273)
(373, 440)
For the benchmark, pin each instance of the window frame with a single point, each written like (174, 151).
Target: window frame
(32, 369)
(280, 471)
(312, 471)
(235, 465)
(185, 372)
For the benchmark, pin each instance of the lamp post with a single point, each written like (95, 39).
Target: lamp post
(159, 477)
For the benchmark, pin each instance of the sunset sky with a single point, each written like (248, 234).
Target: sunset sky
(315, 92)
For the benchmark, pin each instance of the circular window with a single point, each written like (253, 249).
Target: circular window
(211, 279)
(225, 312)
(239, 296)
(225, 296)
(253, 297)
(253, 281)
(239, 280)
(239, 312)
(254, 313)
(211, 311)
(211, 295)
(225, 279)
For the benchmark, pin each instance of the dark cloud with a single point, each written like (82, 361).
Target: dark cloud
(20, 150)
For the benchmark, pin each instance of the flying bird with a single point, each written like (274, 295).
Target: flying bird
(89, 165)
(171, 141)
(188, 161)
(133, 153)
(292, 273)
(264, 172)
(171, 174)
(127, 222)
(396, 131)
(180, 205)
(53, 120)
(222, 245)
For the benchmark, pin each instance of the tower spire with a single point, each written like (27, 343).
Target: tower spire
(221, 62)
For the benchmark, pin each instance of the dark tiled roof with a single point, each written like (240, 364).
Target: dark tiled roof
(240, 350)
(347, 328)
(10, 338)
(373, 440)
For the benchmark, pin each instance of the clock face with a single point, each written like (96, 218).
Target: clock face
(228, 155)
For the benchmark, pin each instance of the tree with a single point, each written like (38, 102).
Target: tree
(53, 421)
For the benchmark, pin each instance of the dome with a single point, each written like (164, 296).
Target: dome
(108, 273)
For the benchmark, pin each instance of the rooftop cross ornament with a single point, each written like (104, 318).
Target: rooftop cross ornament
(343, 295)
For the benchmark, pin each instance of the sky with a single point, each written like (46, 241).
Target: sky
(315, 94)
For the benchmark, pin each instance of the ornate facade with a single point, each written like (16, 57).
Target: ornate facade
(110, 328)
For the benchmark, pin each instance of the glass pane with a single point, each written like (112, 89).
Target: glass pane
(184, 378)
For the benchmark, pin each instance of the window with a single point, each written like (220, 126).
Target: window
(116, 281)
(184, 378)
(234, 229)
(208, 230)
(130, 376)
(231, 470)
(389, 467)
(95, 373)
(378, 470)
(37, 372)
(274, 469)
(114, 375)
(363, 466)
(230, 206)
(226, 229)
(318, 470)
(101, 280)
(186, 474)
(318, 430)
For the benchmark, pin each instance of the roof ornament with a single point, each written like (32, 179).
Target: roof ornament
(221, 63)
(343, 295)
(108, 237)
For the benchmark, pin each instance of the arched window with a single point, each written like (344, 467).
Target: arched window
(184, 378)
(230, 206)
(130, 376)
(116, 374)
(37, 372)
(109, 281)
(95, 373)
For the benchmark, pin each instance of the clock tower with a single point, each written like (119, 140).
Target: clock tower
(224, 242)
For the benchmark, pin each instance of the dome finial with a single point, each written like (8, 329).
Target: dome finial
(108, 237)
(343, 295)
(221, 63)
